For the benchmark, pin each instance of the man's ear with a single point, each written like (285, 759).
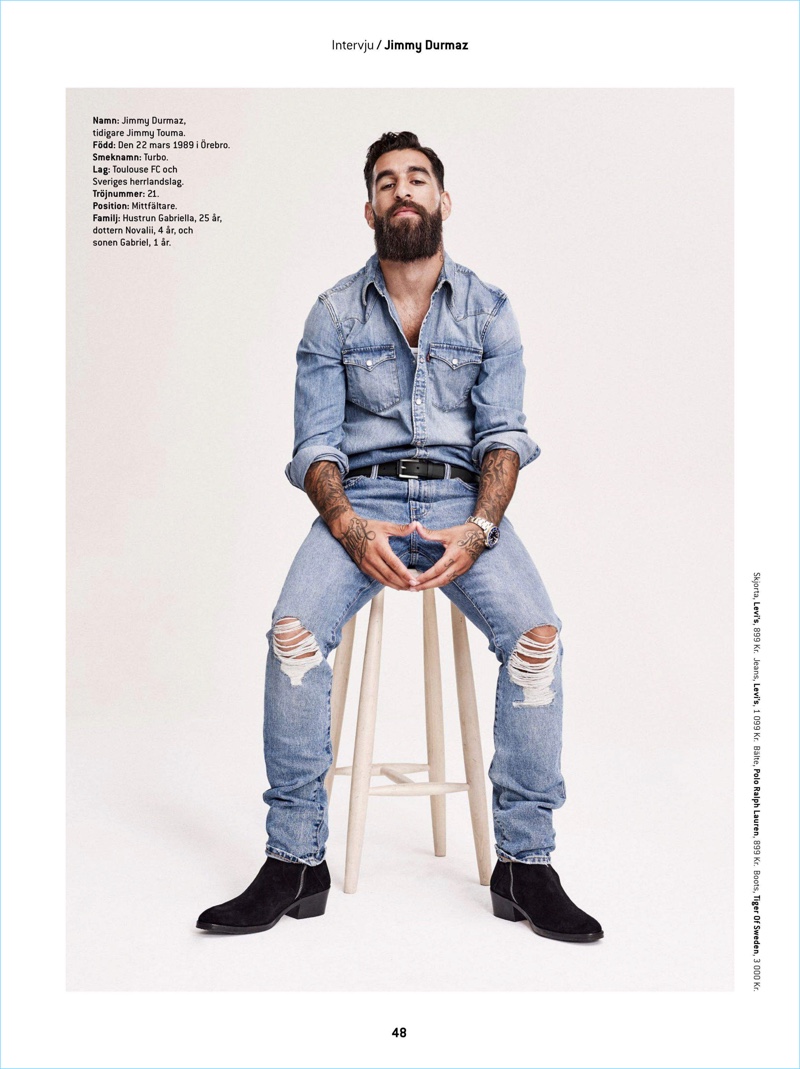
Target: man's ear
(447, 204)
(369, 215)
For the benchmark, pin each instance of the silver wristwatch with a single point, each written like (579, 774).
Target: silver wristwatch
(491, 533)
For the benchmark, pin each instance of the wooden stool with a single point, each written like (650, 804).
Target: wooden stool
(363, 769)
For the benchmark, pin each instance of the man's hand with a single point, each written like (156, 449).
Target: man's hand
(464, 544)
(462, 547)
(367, 542)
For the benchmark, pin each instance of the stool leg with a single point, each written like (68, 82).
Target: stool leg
(364, 745)
(471, 743)
(434, 719)
(341, 677)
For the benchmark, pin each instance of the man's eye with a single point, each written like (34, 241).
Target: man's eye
(387, 185)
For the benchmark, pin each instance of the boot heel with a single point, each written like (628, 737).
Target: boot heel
(313, 906)
(505, 910)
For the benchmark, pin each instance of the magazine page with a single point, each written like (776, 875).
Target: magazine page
(413, 387)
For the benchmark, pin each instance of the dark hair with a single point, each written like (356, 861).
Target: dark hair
(391, 141)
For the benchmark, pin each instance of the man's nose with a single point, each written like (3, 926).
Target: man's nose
(403, 191)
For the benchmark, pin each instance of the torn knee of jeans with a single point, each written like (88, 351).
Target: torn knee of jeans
(532, 665)
(296, 649)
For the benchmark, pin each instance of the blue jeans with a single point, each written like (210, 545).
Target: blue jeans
(504, 597)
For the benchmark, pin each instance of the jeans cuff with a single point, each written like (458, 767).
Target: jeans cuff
(531, 859)
(281, 855)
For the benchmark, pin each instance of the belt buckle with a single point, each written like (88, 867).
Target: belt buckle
(400, 464)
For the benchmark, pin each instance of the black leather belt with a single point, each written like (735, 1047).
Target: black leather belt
(417, 469)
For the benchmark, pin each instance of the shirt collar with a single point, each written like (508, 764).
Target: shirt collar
(373, 276)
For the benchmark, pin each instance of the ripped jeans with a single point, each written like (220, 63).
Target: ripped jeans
(502, 594)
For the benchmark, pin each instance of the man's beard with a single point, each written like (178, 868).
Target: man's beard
(409, 239)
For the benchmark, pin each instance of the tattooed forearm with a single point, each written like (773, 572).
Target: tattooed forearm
(498, 479)
(355, 538)
(324, 486)
(474, 544)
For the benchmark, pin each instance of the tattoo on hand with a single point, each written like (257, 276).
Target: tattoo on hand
(356, 537)
(474, 544)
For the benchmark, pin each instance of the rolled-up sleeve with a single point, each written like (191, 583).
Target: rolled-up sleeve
(498, 393)
(319, 397)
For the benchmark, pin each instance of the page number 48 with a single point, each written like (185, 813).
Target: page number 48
(399, 1032)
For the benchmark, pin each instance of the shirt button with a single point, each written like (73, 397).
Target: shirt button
(419, 400)
(369, 363)
(454, 361)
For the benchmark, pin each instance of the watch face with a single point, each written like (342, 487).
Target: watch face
(493, 537)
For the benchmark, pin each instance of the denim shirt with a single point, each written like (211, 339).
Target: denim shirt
(363, 398)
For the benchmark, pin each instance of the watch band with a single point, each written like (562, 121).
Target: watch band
(491, 532)
(484, 525)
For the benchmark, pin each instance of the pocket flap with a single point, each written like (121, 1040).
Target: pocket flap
(455, 356)
(368, 358)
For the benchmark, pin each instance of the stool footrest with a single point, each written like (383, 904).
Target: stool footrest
(375, 770)
(420, 788)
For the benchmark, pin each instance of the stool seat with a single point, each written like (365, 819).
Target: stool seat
(364, 768)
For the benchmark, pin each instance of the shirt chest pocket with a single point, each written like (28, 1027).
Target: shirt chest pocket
(372, 379)
(452, 372)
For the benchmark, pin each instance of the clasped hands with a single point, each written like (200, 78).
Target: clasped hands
(367, 542)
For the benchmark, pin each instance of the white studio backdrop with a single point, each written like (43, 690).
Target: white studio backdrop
(606, 215)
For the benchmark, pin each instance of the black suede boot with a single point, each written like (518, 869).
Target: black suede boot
(534, 893)
(280, 887)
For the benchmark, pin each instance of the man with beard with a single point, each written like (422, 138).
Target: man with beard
(408, 408)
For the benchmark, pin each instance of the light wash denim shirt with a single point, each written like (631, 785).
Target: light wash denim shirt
(362, 397)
